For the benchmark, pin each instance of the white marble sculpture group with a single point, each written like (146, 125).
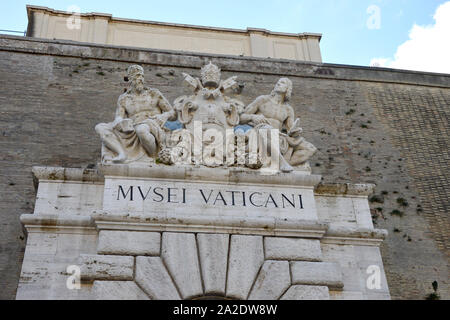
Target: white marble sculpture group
(139, 132)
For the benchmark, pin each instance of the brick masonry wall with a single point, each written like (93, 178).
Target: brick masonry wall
(377, 126)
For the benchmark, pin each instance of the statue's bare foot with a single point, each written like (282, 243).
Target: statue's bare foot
(120, 158)
(286, 167)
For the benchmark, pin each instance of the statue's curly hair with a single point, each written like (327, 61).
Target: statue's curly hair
(135, 70)
(289, 90)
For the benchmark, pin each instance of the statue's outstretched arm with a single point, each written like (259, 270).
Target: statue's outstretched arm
(168, 111)
(249, 111)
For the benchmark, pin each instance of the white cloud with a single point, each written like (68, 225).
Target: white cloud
(428, 47)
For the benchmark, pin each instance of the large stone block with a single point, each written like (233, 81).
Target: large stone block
(272, 281)
(97, 267)
(213, 250)
(337, 211)
(377, 296)
(69, 197)
(370, 264)
(317, 273)
(117, 290)
(306, 293)
(179, 252)
(45, 277)
(292, 249)
(42, 243)
(246, 258)
(153, 277)
(129, 243)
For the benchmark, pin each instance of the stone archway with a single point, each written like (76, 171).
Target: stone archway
(171, 266)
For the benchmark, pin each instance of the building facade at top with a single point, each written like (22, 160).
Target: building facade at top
(105, 29)
(96, 184)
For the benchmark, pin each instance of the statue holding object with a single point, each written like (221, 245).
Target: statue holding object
(137, 132)
(273, 111)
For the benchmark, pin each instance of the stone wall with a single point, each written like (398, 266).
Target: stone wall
(377, 126)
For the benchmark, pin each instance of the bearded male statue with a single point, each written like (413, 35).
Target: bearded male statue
(137, 132)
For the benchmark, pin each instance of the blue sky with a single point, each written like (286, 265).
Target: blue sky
(343, 23)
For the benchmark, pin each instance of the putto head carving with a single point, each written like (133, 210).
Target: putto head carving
(210, 75)
(135, 71)
(284, 86)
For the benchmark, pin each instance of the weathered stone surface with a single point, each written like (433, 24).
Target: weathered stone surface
(69, 197)
(213, 252)
(306, 293)
(348, 260)
(98, 267)
(153, 277)
(292, 249)
(246, 258)
(44, 273)
(337, 211)
(317, 273)
(179, 252)
(362, 212)
(370, 262)
(129, 243)
(272, 281)
(117, 290)
(71, 246)
(42, 244)
(45, 277)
